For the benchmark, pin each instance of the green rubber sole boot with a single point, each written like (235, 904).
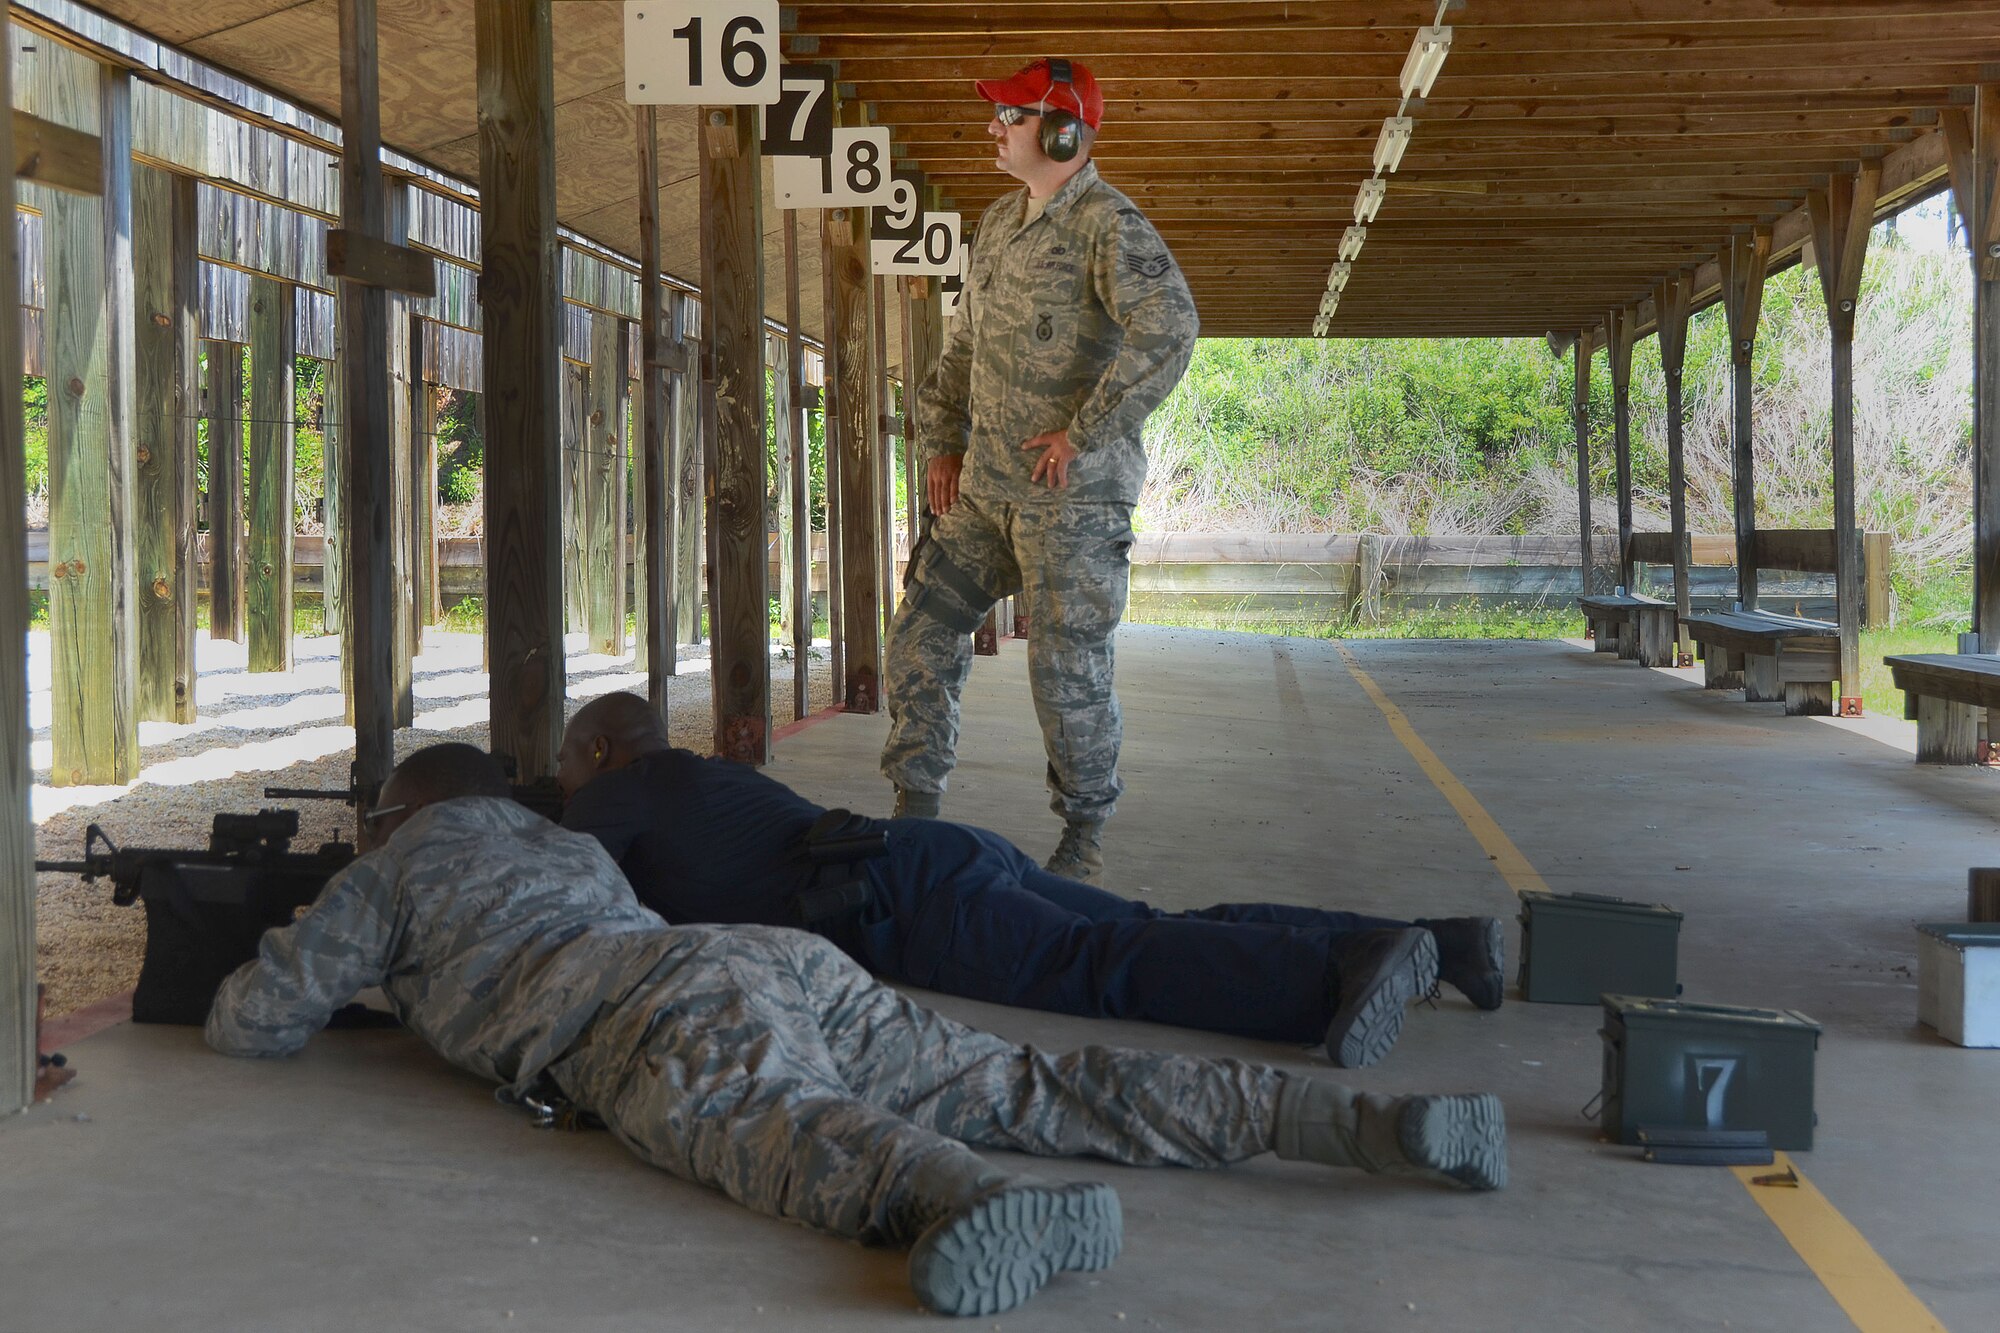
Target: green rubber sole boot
(998, 1251)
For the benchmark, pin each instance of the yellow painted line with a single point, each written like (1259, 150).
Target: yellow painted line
(1507, 858)
(1874, 1297)
(1844, 1262)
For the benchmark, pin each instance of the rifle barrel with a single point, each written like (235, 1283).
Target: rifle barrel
(309, 794)
(62, 867)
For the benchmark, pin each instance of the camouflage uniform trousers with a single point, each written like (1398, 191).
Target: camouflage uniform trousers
(768, 1065)
(1071, 564)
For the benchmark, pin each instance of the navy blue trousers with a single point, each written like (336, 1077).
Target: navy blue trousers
(963, 911)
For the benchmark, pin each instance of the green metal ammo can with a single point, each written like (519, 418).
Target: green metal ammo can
(1707, 1066)
(1577, 946)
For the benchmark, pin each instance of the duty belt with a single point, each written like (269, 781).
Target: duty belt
(837, 843)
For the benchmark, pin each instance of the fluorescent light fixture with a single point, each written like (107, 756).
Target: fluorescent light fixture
(1426, 58)
(1320, 326)
(1350, 243)
(1389, 145)
(1369, 201)
(1328, 303)
(1336, 281)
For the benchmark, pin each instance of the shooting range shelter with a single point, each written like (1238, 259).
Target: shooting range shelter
(457, 193)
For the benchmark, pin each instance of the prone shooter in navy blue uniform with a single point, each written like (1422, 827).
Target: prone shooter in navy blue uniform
(960, 910)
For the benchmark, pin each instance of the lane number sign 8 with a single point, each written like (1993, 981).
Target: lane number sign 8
(694, 52)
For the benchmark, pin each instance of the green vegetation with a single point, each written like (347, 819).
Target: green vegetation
(1460, 437)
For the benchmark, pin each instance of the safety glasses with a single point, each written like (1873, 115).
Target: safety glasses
(1013, 115)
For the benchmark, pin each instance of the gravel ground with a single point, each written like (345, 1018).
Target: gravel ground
(281, 729)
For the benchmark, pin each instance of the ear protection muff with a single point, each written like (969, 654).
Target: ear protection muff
(1061, 132)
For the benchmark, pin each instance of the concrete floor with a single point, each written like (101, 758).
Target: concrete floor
(367, 1185)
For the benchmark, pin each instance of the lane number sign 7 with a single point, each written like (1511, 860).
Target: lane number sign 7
(800, 122)
(694, 52)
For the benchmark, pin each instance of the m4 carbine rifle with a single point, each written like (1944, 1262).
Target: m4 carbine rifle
(206, 910)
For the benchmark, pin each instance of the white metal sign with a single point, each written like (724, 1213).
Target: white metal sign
(896, 231)
(952, 286)
(694, 52)
(854, 175)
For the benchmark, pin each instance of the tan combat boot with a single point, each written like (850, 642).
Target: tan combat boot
(1459, 1139)
(1080, 854)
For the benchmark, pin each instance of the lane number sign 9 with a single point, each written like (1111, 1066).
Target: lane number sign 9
(694, 52)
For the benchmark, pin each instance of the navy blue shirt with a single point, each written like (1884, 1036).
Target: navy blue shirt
(701, 839)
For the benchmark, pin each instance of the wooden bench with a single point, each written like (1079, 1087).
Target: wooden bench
(1942, 694)
(1772, 657)
(1633, 627)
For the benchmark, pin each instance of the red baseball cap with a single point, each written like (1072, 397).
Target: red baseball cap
(1032, 86)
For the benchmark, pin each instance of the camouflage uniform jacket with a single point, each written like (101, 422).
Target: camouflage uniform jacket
(495, 934)
(1078, 320)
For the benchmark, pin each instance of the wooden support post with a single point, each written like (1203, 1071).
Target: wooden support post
(1973, 155)
(268, 585)
(423, 489)
(222, 405)
(405, 624)
(1842, 215)
(573, 433)
(1671, 300)
(165, 281)
(1368, 579)
(17, 831)
(603, 476)
(651, 457)
(94, 710)
(800, 478)
(1878, 599)
(913, 505)
(1580, 416)
(1982, 894)
(333, 455)
(829, 420)
(733, 337)
(368, 630)
(1745, 258)
(782, 447)
(885, 449)
(520, 286)
(690, 525)
(851, 438)
(1620, 331)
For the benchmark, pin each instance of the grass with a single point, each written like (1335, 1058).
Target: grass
(1465, 621)
(1879, 695)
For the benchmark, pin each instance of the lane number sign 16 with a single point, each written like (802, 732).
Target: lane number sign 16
(701, 52)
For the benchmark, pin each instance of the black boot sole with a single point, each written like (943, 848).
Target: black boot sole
(1366, 1029)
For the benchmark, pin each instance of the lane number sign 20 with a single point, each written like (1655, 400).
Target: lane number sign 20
(694, 52)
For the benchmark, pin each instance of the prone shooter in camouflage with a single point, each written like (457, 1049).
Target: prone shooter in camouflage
(762, 1062)
(1074, 324)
